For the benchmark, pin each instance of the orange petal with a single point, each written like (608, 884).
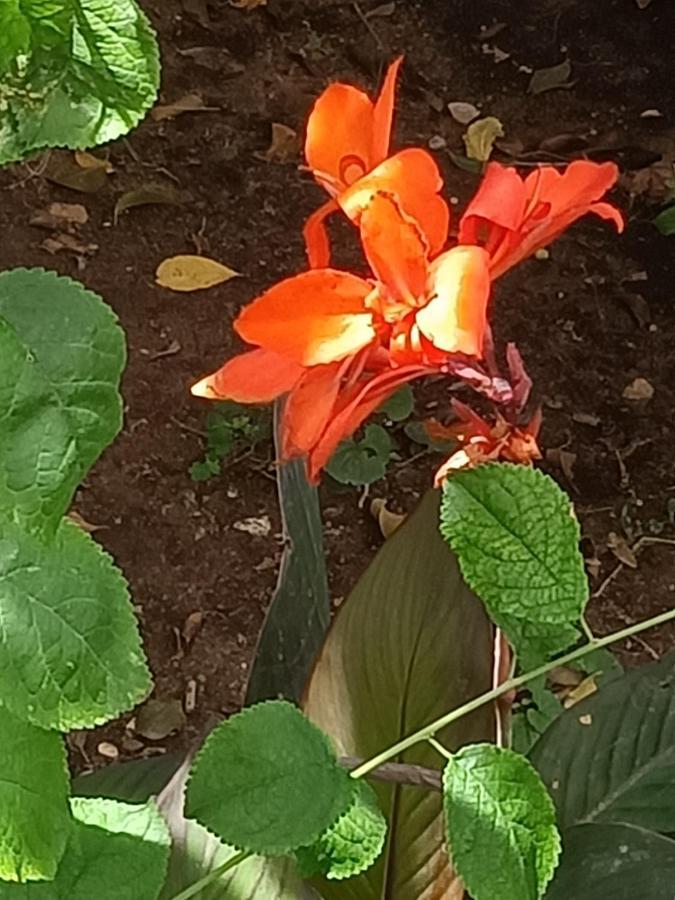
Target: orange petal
(500, 199)
(577, 187)
(383, 114)
(314, 318)
(258, 376)
(316, 237)
(340, 136)
(454, 319)
(309, 408)
(412, 176)
(395, 248)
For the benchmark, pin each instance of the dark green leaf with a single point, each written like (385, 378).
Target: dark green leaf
(419, 434)
(409, 643)
(611, 757)
(267, 780)
(400, 405)
(665, 221)
(500, 824)
(74, 73)
(134, 781)
(361, 461)
(205, 469)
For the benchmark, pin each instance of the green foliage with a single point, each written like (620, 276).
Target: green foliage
(33, 800)
(73, 73)
(282, 787)
(352, 844)
(665, 221)
(229, 429)
(400, 405)
(517, 538)
(500, 824)
(362, 461)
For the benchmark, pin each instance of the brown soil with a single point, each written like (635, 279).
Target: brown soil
(596, 314)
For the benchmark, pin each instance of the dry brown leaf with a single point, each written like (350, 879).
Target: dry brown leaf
(385, 9)
(385, 518)
(187, 273)
(638, 390)
(622, 550)
(247, 4)
(82, 523)
(61, 241)
(565, 459)
(149, 195)
(187, 103)
(655, 182)
(62, 168)
(550, 78)
(480, 138)
(61, 215)
(89, 161)
(157, 719)
(563, 676)
(586, 418)
(463, 112)
(584, 689)
(285, 145)
(192, 626)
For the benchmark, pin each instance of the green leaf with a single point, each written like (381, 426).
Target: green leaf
(417, 433)
(517, 538)
(400, 405)
(611, 757)
(500, 824)
(536, 643)
(33, 799)
(352, 844)
(61, 358)
(115, 852)
(283, 784)
(205, 469)
(70, 652)
(299, 614)
(361, 461)
(530, 721)
(614, 862)
(409, 643)
(74, 73)
(134, 781)
(665, 221)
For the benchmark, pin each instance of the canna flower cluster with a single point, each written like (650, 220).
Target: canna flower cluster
(339, 344)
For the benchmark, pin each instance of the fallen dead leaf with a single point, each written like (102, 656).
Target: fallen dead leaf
(173, 348)
(564, 676)
(622, 550)
(87, 160)
(149, 195)
(197, 10)
(565, 459)
(285, 145)
(157, 719)
(192, 626)
(384, 9)
(131, 745)
(584, 689)
(550, 78)
(61, 242)
(108, 750)
(480, 138)
(82, 523)
(385, 518)
(463, 112)
(638, 389)
(247, 4)
(185, 273)
(258, 527)
(63, 169)
(187, 103)
(60, 215)
(586, 418)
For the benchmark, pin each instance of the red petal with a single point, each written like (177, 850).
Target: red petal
(383, 114)
(316, 237)
(309, 408)
(500, 200)
(258, 376)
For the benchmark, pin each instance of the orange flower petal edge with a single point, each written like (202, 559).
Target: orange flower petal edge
(258, 376)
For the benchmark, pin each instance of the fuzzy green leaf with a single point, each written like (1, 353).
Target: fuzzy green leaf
(517, 538)
(267, 780)
(74, 73)
(500, 824)
(70, 652)
(361, 461)
(34, 817)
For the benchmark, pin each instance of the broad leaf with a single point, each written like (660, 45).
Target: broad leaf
(500, 824)
(299, 613)
(410, 643)
(614, 862)
(35, 819)
(400, 405)
(61, 358)
(665, 221)
(70, 651)
(611, 757)
(134, 781)
(115, 852)
(267, 780)
(74, 73)
(361, 460)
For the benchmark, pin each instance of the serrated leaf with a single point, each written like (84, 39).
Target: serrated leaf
(537, 643)
(74, 74)
(611, 757)
(665, 221)
(70, 651)
(414, 637)
(500, 824)
(115, 852)
(61, 358)
(34, 800)
(192, 273)
(279, 794)
(352, 844)
(517, 539)
(361, 461)
(400, 405)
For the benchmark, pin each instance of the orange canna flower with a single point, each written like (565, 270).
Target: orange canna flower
(512, 217)
(346, 148)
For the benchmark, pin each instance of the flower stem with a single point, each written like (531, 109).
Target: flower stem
(430, 730)
(195, 888)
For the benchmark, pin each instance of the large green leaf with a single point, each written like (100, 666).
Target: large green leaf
(74, 73)
(70, 651)
(34, 815)
(267, 780)
(500, 824)
(410, 643)
(299, 613)
(134, 781)
(614, 862)
(611, 757)
(115, 852)
(61, 358)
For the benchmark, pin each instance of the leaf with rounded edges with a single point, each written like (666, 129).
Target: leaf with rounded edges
(267, 780)
(400, 405)
(34, 814)
(115, 851)
(74, 73)
(500, 824)
(517, 541)
(352, 844)
(410, 643)
(61, 357)
(70, 651)
(611, 757)
(361, 461)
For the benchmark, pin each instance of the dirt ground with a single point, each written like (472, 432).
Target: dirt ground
(590, 319)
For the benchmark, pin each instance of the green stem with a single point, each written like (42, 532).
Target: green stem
(439, 748)
(513, 683)
(197, 886)
(586, 628)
